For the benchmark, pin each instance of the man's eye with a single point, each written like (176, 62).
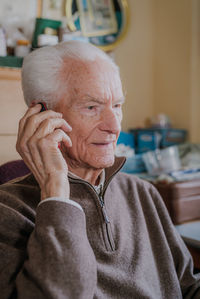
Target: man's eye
(90, 107)
(117, 106)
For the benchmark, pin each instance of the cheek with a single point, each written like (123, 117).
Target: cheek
(120, 116)
(79, 136)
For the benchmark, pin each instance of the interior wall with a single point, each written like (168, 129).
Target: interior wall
(177, 64)
(12, 109)
(172, 60)
(195, 73)
(160, 63)
(135, 56)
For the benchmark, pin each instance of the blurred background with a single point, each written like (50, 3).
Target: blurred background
(159, 59)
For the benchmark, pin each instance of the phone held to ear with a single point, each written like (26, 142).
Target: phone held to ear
(44, 108)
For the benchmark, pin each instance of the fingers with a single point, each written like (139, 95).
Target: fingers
(46, 127)
(37, 128)
(49, 144)
(45, 141)
(38, 137)
(21, 147)
(29, 112)
(32, 119)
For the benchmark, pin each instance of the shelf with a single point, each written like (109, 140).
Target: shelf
(7, 73)
(11, 61)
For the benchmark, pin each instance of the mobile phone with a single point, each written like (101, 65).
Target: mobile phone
(44, 107)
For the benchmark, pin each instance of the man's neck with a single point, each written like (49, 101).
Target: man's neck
(91, 176)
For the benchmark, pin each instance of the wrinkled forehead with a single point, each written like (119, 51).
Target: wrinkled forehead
(96, 78)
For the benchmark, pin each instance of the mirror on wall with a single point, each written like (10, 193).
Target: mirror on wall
(103, 23)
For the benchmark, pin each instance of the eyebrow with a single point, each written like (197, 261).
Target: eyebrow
(99, 100)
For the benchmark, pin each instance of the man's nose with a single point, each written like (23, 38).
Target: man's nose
(111, 121)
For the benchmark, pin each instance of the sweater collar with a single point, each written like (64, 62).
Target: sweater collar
(96, 187)
(109, 172)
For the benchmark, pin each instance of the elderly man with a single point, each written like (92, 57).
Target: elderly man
(77, 227)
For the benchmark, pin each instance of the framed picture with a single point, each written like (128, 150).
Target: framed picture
(103, 22)
(97, 17)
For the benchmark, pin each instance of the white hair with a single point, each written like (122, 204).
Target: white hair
(42, 68)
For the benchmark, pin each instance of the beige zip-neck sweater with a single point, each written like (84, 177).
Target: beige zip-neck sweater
(122, 245)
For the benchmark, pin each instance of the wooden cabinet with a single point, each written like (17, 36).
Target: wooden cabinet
(12, 109)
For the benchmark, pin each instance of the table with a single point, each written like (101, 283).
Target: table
(190, 232)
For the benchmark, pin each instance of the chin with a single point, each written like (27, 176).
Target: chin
(102, 162)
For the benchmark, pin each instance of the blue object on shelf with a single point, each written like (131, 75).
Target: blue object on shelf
(126, 139)
(147, 141)
(153, 138)
(134, 165)
(173, 137)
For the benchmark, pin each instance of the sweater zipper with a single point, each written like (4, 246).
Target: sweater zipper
(106, 219)
(103, 208)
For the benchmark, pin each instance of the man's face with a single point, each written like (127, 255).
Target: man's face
(93, 108)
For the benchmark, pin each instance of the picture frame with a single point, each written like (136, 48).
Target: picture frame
(106, 42)
(97, 17)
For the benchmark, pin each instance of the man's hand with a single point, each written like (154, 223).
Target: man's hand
(38, 137)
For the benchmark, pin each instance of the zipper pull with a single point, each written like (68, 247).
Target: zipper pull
(105, 215)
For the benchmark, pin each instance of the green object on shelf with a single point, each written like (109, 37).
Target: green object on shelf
(11, 61)
(40, 25)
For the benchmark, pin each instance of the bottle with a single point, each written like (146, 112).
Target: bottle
(22, 48)
(3, 51)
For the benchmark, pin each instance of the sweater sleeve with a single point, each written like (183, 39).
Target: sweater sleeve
(67, 200)
(189, 282)
(49, 259)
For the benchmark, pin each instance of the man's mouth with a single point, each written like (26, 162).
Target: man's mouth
(103, 144)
